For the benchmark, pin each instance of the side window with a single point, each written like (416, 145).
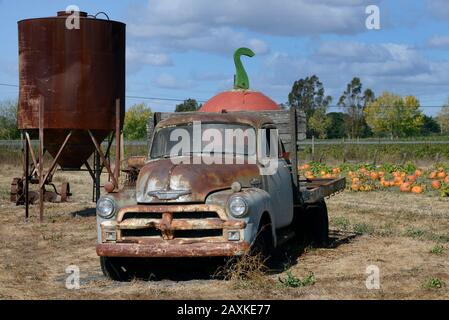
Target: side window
(270, 149)
(268, 143)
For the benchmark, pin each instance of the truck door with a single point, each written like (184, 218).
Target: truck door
(279, 186)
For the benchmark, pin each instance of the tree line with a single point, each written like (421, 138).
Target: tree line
(362, 115)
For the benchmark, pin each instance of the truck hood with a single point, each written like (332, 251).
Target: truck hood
(162, 181)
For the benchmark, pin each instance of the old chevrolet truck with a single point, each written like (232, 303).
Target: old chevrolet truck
(193, 207)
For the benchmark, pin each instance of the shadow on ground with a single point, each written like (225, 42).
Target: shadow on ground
(189, 269)
(90, 212)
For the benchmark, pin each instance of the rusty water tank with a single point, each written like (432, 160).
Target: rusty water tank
(79, 73)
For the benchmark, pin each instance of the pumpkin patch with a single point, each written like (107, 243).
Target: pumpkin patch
(387, 177)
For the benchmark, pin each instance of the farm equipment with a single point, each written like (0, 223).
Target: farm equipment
(183, 204)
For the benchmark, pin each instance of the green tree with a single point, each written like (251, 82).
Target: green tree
(8, 120)
(309, 95)
(443, 119)
(353, 101)
(430, 126)
(394, 115)
(189, 105)
(319, 123)
(337, 128)
(136, 120)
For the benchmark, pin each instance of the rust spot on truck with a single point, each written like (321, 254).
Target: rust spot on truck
(198, 179)
(253, 120)
(172, 249)
(174, 231)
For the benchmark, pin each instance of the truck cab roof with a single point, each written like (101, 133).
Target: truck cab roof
(253, 120)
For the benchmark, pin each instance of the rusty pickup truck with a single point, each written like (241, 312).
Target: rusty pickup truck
(183, 204)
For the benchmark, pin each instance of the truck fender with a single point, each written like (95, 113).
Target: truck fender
(259, 203)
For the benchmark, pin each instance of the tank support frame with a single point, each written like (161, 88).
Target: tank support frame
(34, 169)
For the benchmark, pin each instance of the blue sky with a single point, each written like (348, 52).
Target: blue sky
(183, 48)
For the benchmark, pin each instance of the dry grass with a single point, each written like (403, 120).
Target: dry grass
(398, 233)
(246, 272)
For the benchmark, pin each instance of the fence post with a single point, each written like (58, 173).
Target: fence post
(313, 148)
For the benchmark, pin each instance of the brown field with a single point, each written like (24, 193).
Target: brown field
(405, 235)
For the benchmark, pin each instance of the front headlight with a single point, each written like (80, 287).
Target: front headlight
(105, 208)
(238, 206)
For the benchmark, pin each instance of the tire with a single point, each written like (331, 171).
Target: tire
(317, 226)
(117, 269)
(264, 244)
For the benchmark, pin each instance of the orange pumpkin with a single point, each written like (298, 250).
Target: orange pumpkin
(417, 189)
(374, 176)
(433, 175)
(405, 187)
(309, 175)
(441, 175)
(355, 187)
(436, 185)
(411, 178)
(446, 180)
(385, 184)
(418, 173)
(398, 181)
(336, 171)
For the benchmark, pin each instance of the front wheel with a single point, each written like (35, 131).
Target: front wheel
(117, 269)
(264, 244)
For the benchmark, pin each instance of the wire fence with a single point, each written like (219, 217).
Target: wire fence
(308, 142)
(419, 150)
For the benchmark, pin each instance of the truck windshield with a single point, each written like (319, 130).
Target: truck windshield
(211, 138)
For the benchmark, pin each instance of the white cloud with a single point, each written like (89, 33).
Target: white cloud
(140, 56)
(221, 26)
(439, 8)
(168, 81)
(382, 67)
(439, 42)
(281, 17)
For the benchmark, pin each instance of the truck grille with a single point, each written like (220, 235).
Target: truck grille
(183, 234)
(176, 215)
(171, 225)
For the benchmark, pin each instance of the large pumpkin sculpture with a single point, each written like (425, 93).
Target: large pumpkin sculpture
(241, 98)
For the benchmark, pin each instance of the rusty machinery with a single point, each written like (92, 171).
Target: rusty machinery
(71, 98)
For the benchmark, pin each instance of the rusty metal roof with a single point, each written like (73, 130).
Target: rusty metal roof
(247, 118)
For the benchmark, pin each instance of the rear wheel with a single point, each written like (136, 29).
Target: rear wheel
(318, 224)
(311, 224)
(117, 269)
